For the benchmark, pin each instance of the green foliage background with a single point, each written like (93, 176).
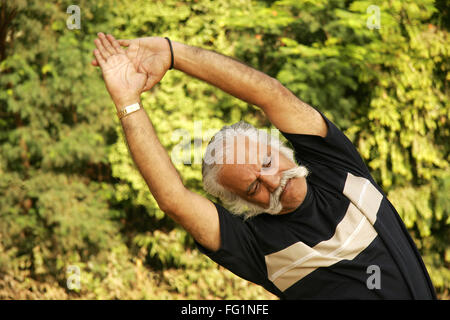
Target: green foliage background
(70, 194)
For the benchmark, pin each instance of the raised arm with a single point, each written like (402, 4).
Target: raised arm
(288, 113)
(281, 106)
(125, 84)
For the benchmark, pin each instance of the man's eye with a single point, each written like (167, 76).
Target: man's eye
(255, 189)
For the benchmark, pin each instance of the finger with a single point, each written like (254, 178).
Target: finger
(95, 63)
(105, 54)
(150, 83)
(115, 43)
(106, 43)
(124, 42)
(101, 61)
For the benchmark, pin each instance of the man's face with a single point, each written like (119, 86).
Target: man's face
(257, 174)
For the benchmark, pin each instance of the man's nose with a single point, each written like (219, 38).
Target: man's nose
(272, 181)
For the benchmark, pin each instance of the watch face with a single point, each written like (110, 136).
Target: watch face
(128, 109)
(133, 107)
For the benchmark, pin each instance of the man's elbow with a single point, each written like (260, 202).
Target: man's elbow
(171, 204)
(281, 91)
(168, 208)
(277, 93)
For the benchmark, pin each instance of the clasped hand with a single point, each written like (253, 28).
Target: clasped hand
(129, 72)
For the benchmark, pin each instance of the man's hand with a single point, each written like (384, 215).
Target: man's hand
(124, 83)
(150, 56)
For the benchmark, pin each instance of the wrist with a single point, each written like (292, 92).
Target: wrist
(178, 49)
(126, 100)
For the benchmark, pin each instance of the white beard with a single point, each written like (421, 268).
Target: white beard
(247, 209)
(275, 201)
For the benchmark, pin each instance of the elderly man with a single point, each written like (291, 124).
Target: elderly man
(314, 225)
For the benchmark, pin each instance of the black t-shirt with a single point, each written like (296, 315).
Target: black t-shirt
(345, 241)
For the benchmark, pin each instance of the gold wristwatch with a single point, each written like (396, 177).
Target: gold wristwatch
(127, 110)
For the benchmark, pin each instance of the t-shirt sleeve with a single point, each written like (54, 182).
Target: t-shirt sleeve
(239, 251)
(335, 150)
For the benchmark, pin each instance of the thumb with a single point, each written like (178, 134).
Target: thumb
(124, 42)
(151, 82)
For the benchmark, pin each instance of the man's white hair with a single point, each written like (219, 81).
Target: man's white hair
(215, 153)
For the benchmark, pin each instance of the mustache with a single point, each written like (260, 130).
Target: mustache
(275, 202)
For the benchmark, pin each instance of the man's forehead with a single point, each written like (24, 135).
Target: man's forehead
(243, 150)
(237, 169)
(243, 174)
